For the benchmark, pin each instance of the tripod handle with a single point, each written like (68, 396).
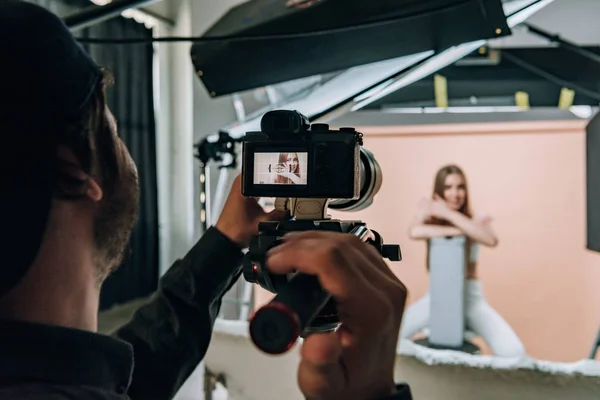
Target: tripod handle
(275, 327)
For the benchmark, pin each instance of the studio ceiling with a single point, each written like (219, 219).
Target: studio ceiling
(496, 82)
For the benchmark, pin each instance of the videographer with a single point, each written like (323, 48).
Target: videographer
(69, 196)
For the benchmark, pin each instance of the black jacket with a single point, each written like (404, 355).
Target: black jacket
(168, 337)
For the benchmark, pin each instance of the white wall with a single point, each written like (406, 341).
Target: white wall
(209, 114)
(174, 141)
(185, 114)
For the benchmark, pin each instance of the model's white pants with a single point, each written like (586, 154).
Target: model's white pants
(482, 320)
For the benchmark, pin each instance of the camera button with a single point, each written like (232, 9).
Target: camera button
(319, 127)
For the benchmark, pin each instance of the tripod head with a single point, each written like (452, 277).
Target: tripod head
(207, 150)
(300, 306)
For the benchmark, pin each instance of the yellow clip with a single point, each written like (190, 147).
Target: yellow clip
(566, 98)
(522, 100)
(440, 84)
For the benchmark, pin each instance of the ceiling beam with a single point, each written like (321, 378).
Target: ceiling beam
(563, 43)
(549, 76)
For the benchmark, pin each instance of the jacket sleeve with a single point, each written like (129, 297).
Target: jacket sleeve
(403, 393)
(170, 334)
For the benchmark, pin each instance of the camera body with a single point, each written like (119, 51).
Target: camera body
(289, 158)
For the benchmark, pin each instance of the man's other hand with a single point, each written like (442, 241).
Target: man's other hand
(241, 215)
(357, 361)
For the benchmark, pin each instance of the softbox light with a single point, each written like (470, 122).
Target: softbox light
(332, 35)
(593, 183)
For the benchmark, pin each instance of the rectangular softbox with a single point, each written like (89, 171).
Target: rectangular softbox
(332, 35)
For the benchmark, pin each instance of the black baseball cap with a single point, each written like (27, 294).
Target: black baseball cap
(46, 78)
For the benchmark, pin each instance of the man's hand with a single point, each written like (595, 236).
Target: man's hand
(357, 361)
(241, 215)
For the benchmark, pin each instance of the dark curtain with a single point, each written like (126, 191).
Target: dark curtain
(131, 101)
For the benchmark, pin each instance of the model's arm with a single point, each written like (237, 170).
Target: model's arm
(478, 229)
(426, 231)
(170, 334)
(420, 229)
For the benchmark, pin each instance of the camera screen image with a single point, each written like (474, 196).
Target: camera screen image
(280, 168)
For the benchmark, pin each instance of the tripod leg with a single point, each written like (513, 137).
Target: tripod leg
(248, 289)
(245, 308)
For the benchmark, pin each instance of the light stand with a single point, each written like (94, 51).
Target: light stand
(222, 150)
(228, 165)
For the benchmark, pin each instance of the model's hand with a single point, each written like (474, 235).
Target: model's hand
(439, 208)
(424, 209)
(357, 361)
(433, 208)
(484, 220)
(291, 176)
(241, 215)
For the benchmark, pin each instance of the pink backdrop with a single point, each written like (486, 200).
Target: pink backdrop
(530, 176)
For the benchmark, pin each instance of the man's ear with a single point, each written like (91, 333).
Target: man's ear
(79, 183)
(94, 191)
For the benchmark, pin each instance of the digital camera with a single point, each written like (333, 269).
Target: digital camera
(308, 169)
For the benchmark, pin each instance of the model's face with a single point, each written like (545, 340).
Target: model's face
(292, 161)
(455, 192)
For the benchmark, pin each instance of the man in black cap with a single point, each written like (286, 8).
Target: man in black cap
(69, 198)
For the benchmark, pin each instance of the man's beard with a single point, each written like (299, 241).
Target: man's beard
(115, 221)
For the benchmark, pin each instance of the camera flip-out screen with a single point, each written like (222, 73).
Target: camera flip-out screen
(276, 170)
(280, 168)
(327, 170)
